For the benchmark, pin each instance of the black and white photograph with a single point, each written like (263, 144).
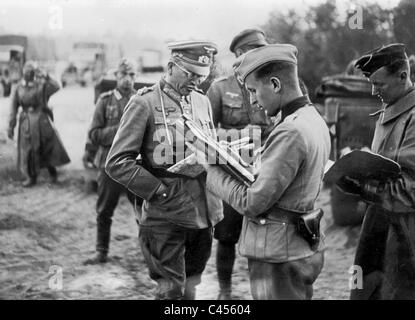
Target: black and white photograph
(213, 150)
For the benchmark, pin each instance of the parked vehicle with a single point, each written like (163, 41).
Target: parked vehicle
(12, 58)
(87, 63)
(348, 103)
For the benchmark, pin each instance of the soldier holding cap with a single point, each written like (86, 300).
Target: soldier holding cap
(231, 113)
(105, 122)
(386, 250)
(178, 214)
(38, 143)
(283, 263)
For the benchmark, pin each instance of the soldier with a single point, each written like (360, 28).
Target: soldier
(385, 252)
(177, 214)
(283, 259)
(105, 122)
(38, 143)
(231, 113)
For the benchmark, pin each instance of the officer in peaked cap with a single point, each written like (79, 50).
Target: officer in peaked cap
(385, 250)
(194, 56)
(283, 260)
(232, 113)
(105, 122)
(178, 213)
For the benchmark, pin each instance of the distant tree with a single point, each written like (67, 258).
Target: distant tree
(283, 27)
(404, 24)
(324, 39)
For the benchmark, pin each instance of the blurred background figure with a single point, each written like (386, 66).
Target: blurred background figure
(38, 143)
(106, 119)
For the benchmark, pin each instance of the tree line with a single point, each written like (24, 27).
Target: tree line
(329, 39)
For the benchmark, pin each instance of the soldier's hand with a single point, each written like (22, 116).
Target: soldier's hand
(87, 161)
(350, 185)
(10, 134)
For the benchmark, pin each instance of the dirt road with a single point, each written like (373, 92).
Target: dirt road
(47, 231)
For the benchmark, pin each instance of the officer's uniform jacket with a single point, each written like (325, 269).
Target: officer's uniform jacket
(143, 132)
(230, 105)
(288, 178)
(105, 122)
(226, 99)
(386, 250)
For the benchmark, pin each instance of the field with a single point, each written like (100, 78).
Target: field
(49, 230)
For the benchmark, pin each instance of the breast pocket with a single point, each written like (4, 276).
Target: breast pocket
(112, 115)
(161, 135)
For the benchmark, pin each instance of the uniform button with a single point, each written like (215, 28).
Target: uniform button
(164, 195)
(262, 221)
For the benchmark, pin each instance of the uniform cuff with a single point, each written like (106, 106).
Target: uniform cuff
(143, 184)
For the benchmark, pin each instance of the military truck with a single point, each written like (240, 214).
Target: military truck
(88, 60)
(348, 103)
(12, 58)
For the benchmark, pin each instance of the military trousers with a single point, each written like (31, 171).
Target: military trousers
(176, 257)
(109, 192)
(229, 229)
(292, 280)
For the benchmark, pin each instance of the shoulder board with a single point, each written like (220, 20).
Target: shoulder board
(199, 91)
(117, 94)
(106, 94)
(291, 117)
(144, 90)
(220, 79)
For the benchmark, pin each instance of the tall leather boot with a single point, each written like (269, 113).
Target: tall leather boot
(102, 246)
(29, 181)
(225, 259)
(53, 173)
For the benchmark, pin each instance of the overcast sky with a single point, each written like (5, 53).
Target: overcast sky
(155, 20)
(213, 19)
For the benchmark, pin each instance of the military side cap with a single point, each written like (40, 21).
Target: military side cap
(125, 65)
(380, 57)
(253, 36)
(194, 56)
(256, 58)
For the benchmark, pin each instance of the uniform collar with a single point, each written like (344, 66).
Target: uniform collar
(168, 89)
(404, 104)
(294, 105)
(119, 95)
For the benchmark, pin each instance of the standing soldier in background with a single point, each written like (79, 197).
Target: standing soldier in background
(105, 122)
(232, 112)
(38, 142)
(178, 214)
